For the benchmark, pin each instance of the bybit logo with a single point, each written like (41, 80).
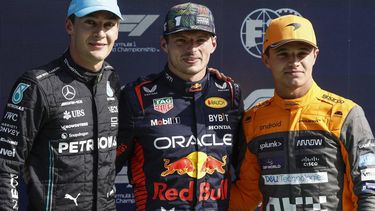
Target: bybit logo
(136, 24)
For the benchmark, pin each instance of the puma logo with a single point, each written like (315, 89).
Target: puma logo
(68, 196)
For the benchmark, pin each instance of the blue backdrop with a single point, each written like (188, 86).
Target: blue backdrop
(32, 33)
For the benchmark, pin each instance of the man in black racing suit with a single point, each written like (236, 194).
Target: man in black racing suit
(61, 121)
(180, 128)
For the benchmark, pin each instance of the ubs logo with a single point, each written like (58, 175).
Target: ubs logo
(254, 26)
(68, 92)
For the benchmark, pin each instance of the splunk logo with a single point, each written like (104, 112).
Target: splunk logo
(86, 145)
(136, 25)
(276, 144)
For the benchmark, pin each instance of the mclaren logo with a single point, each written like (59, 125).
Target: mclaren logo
(295, 25)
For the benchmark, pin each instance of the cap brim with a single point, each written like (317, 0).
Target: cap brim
(276, 45)
(90, 10)
(189, 29)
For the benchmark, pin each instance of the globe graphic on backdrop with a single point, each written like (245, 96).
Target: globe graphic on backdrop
(254, 26)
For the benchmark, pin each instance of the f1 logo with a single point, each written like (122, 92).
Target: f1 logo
(136, 24)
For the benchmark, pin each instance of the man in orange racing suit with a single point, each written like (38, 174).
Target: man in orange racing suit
(307, 148)
(179, 128)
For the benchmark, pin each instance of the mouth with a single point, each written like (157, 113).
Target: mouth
(293, 72)
(190, 60)
(97, 45)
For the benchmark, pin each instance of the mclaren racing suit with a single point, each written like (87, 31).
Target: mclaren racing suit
(60, 126)
(316, 152)
(180, 138)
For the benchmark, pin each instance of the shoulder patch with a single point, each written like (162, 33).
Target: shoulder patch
(263, 104)
(333, 98)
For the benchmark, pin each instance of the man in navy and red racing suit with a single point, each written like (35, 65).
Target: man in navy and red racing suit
(180, 128)
(60, 123)
(180, 137)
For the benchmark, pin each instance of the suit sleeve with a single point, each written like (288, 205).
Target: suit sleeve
(245, 193)
(239, 144)
(126, 133)
(360, 145)
(19, 126)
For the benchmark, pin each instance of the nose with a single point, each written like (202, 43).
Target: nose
(191, 45)
(99, 32)
(293, 59)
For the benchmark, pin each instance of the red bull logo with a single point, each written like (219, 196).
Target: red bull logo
(182, 166)
(195, 87)
(206, 192)
(196, 165)
(212, 164)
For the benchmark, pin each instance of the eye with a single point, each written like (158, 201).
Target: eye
(180, 41)
(90, 22)
(110, 24)
(201, 40)
(282, 54)
(302, 54)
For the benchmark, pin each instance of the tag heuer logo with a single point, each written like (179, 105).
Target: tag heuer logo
(163, 105)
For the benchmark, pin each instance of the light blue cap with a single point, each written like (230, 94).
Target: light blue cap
(82, 8)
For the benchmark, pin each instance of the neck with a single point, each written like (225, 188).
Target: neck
(188, 77)
(293, 93)
(90, 66)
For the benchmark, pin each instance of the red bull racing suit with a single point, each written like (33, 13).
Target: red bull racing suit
(316, 152)
(180, 137)
(59, 127)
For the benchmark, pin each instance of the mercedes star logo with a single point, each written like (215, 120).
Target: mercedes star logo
(68, 92)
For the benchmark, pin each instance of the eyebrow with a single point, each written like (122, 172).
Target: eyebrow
(306, 48)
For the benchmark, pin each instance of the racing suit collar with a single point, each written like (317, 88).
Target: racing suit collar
(183, 86)
(298, 102)
(81, 73)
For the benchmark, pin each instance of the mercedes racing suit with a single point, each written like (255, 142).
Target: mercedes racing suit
(316, 152)
(180, 138)
(60, 126)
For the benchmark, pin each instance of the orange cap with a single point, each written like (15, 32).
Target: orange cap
(289, 28)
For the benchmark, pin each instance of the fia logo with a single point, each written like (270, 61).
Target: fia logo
(254, 26)
(18, 93)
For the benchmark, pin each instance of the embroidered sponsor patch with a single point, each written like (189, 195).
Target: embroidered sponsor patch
(18, 93)
(163, 105)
